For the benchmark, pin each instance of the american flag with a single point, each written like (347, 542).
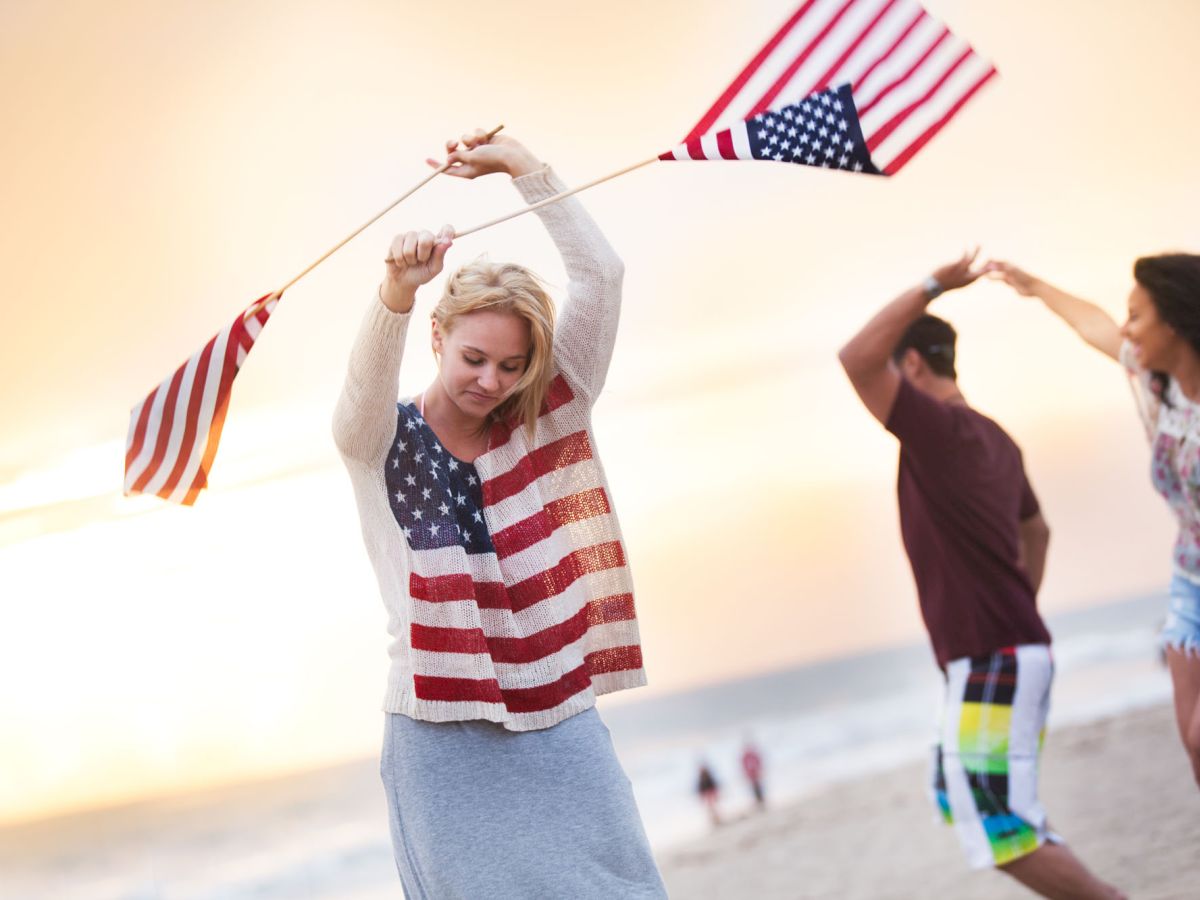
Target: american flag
(821, 130)
(173, 433)
(908, 73)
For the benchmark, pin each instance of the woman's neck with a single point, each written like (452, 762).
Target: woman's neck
(454, 428)
(1186, 372)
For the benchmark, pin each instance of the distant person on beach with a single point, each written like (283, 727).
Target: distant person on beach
(489, 522)
(752, 767)
(976, 540)
(710, 792)
(1159, 346)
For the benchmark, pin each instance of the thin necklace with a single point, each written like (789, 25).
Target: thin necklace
(422, 404)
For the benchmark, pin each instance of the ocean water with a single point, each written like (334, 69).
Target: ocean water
(324, 834)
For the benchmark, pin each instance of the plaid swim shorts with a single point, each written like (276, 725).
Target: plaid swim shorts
(985, 766)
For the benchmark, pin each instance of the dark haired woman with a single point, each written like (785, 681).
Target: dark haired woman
(1159, 345)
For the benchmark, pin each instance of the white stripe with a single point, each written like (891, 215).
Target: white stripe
(806, 79)
(956, 86)
(578, 476)
(741, 141)
(918, 41)
(876, 43)
(438, 664)
(153, 421)
(204, 417)
(708, 146)
(772, 67)
(178, 423)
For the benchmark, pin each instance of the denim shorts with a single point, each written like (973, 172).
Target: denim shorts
(1181, 631)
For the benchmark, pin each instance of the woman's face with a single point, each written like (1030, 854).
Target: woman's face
(1156, 344)
(482, 358)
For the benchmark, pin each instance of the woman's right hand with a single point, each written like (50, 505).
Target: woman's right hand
(415, 258)
(478, 154)
(1018, 279)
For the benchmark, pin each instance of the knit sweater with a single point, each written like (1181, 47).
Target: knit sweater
(505, 579)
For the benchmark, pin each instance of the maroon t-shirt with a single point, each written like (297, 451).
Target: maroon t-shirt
(963, 491)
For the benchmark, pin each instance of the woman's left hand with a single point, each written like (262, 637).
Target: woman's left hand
(959, 274)
(476, 154)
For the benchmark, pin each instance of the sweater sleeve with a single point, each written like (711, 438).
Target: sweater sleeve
(587, 324)
(364, 420)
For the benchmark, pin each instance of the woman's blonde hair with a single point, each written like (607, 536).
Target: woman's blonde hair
(510, 288)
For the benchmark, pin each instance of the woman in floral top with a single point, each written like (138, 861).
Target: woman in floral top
(1159, 345)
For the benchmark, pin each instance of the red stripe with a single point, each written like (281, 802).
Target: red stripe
(782, 80)
(823, 82)
(531, 648)
(614, 659)
(191, 422)
(429, 687)
(725, 145)
(573, 566)
(558, 393)
(524, 534)
(452, 588)
(895, 121)
(556, 455)
(229, 368)
(669, 156)
(139, 431)
(547, 696)
(862, 79)
(896, 82)
(448, 640)
(164, 431)
(898, 163)
(707, 120)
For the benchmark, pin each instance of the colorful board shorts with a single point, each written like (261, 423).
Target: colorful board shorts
(985, 766)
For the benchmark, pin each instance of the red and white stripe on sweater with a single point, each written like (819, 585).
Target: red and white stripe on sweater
(530, 631)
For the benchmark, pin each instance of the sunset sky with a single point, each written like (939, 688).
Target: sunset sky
(162, 164)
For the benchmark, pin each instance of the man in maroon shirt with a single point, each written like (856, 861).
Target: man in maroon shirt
(976, 541)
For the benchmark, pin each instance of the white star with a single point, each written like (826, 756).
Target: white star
(810, 159)
(777, 157)
(842, 126)
(436, 449)
(410, 480)
(858, 167)
(830, 118)
(395, 462)
(810, 125)
(466, 536)
(444, 509)
(425, 492)
(460, 499)
(792, 131)
(828, 152)
(420, 456)
(477, 516)
(780, 125)
(825, 100)
(837, 104)
(407, 532)
(774, 139)
(806, 106)
(452, 464)
(417, 514)
(823, 131)
(788, 113)
(410, 425)
(843, 159)
(400, 497)
(805, 138)
(786, 145)
(471, 480)
(433, 529)
(796, 153)
(849, 145)
(401, 446)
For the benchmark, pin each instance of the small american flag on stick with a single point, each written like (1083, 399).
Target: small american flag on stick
(174, 432)
(909, 76)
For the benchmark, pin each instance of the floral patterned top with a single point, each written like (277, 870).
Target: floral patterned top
(1173, 428)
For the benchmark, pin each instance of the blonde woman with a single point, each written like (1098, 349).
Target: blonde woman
(489, 521)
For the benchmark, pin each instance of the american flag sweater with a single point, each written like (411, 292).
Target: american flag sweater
(505, 580)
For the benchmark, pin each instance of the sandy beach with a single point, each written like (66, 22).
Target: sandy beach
(1119, 790)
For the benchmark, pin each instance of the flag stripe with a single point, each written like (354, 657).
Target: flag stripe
(615, 659)
(188, 446)
(450, 588)
(765, 101)
(862, 82)
(556, 455)
(164, 429)
(709, 119)
(538, 527)
(865, 110)
(570, 568)
(825, 80)
(896, 164)
(881, 133)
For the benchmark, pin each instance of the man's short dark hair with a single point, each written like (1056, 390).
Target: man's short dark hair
(934, 339)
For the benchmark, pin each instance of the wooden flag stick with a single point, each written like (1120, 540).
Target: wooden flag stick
(253, 310)
(554, 199)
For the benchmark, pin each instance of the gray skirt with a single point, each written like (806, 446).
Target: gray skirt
(478, 811)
